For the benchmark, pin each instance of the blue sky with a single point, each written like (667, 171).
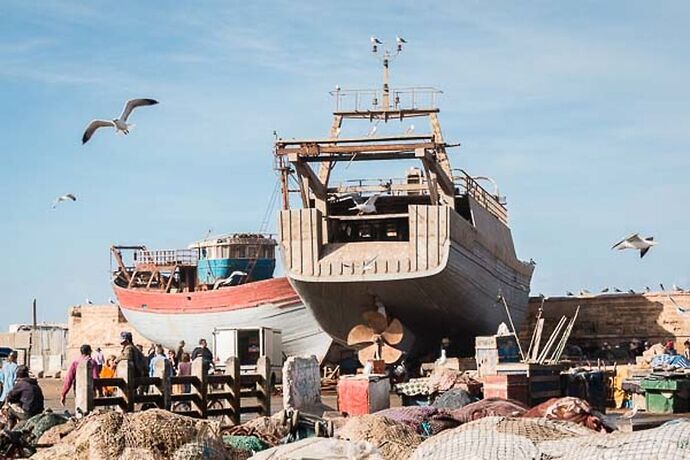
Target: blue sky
(578, 109)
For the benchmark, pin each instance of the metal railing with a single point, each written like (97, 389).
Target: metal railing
(487, 200)
(362, 100)
(167, 257)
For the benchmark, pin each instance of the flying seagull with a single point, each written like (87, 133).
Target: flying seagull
(120, 124)
(60, 199)
(400, 40)
(368, 207)
(635, 241)
(679, 309)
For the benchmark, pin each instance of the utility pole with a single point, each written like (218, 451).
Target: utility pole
(33, 331)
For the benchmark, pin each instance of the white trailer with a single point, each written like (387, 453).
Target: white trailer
(248, 344)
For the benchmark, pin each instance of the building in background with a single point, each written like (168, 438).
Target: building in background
(43, 349)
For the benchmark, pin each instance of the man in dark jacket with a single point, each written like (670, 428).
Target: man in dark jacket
(203, 352)
(26, 398)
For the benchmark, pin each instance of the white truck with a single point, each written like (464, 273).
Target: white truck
(248, 344)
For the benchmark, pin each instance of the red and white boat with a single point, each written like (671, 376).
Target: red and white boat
(184, 294)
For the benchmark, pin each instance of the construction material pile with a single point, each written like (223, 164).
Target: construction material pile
(153, 434)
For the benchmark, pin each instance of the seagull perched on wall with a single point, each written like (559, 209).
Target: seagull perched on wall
(111, 301)
(661, 285)
(67, 197)
(605, 290)
(635, 241)
(88, 301)
(678, 288)
(120, 124)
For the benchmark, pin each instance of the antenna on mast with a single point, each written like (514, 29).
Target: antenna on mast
(386, 56)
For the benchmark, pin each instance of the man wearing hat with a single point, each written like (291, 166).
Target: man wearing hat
(133, 354)
(26, 398)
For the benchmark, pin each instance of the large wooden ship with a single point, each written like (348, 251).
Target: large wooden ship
(431, 251)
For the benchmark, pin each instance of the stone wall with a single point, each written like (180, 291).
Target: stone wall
(99, 326)
(615, 318)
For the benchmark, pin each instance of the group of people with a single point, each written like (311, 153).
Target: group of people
(21, 396)
(180, 362)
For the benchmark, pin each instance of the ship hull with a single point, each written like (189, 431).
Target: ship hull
(167, 318)
(443, 282)
(458, 302)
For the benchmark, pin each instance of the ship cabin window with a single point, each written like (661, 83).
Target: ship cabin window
(253, 252)
(204, 253)
(394, 229)
(242, 252)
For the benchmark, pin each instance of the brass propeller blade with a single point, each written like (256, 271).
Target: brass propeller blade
(393, 334)
(389, 354)
(376, 320)
(367, 353)
(361, 333)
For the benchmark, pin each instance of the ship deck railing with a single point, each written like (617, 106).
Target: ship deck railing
(412, 101)
(167, 257)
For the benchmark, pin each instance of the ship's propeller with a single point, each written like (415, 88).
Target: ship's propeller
(379, 336)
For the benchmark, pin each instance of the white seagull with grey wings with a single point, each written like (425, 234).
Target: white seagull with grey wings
(120, 124)
(635, 241)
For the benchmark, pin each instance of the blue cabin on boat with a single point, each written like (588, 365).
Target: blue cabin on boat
(229, 260)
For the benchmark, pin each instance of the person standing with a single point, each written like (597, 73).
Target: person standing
(8, 375)
(134, 354)
(203, 352)
(99, 359)
(179, 351)
(26, 398)
(108, 372)
(159, 355)
(71, 376)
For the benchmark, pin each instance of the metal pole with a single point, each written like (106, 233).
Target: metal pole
(510, 318)
(33, 329)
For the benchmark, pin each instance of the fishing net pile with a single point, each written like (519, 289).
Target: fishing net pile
(487, 408)
(497, 437)
(571, 409)
(161, 434)
(322, 449)
(669, 441)
(425, 420)
(392, 439)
